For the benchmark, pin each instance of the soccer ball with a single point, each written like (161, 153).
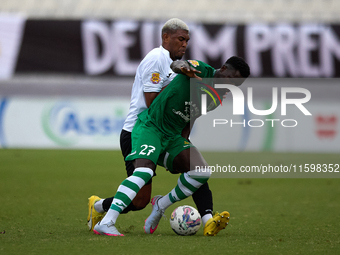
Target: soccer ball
(185, 220)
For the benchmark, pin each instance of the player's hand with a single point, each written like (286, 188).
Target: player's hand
(191, 72)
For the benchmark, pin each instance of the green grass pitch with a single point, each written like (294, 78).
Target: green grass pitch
(43, 207)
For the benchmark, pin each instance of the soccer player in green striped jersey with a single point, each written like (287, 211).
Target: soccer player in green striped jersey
(159, 131)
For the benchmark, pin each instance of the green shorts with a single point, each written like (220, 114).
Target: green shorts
(150, 143)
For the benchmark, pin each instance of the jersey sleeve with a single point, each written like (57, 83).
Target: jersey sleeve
(206, 70)
(154, 74)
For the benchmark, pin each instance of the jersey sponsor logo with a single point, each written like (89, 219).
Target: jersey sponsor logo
(182, 115)
(194, 63)
(70, 123)
(155, 79)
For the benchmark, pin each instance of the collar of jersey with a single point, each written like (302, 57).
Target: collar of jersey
(165, 51)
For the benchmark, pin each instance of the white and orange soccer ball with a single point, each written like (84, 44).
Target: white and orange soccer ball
(185, 220)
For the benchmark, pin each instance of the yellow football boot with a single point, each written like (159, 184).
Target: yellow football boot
(93, 217)
(218, 222)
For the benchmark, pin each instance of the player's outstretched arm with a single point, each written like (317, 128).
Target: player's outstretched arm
(183, 67)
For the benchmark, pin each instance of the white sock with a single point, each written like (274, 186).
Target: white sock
(205, 218)
(164, 202)
(126, 192)
(111, 216)
(98, 206)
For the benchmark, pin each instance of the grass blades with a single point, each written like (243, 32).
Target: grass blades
(43, 208)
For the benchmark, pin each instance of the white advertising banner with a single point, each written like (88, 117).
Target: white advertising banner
(220, 130)
(95, 123)
(86, 123)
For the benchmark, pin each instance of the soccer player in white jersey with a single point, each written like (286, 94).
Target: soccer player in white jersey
(152, 75)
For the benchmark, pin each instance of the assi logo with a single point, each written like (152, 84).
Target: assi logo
(68, 123)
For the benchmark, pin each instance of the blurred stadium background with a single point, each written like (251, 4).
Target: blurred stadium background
(67, 67)
(66, 72)
(215, 11)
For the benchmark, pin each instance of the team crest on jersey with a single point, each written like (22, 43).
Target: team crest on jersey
(194, 63)
(185, 142)
(155, 79)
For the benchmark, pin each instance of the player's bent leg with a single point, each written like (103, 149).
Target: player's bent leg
(193, 159)
(203, 196)
(126, 192)
(142, 198)
(187, 184)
